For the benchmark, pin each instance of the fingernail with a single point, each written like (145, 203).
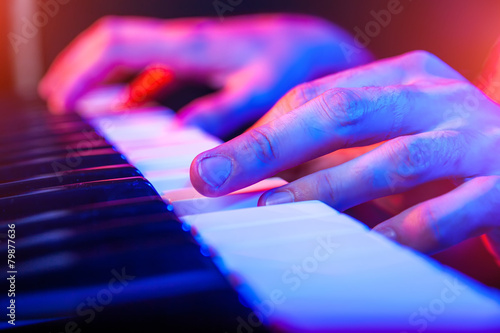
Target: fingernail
(280, 197)
(215, 170)
(387, 232)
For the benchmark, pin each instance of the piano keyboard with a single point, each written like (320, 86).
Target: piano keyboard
(87, 214)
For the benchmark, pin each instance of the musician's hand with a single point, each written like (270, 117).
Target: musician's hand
(253, 60)
(435, 125)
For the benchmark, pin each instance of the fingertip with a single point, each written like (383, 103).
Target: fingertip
(386, 231)
(196, 181)
(210, 172)
(276, 197)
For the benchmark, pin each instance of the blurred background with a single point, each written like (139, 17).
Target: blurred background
(458, 31)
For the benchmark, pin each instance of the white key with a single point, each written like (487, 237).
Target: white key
(133, 133)
(188, 135)
(307, 210)
(191, 193)
(207, 205)
(188, 201)
(133, 119)
(164, 164)
(100, 101)
(166, 180)
(329, 272)
(170, 151)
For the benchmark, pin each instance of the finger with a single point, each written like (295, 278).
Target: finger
(73, 87)
(129, 44)
(245, 97)
(468, 211)
(339, 118)
(403, 69)
(396, 166)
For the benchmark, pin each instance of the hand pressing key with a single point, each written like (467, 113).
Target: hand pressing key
(251, 60)
(434, 125)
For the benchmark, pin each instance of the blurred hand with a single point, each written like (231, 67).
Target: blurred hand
(253, 60)
(435, 124)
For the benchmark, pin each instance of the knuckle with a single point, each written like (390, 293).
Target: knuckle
(428, 214)
(425, 157)
(412, 157)
(421, 57)
(107, 31)
(327, 189)
(342, 107)
(263, 144)
(301, 94)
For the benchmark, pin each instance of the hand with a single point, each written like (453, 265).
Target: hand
(253, 60)
(436, 126)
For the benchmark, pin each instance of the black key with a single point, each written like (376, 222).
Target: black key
(39, 152)
(66, 178)
(94, 214)
(79, 238)
(59, 164)
(10, 137)
(44, 125)
(85, 137)
(26, 120)
(152, 250)
(60, 197)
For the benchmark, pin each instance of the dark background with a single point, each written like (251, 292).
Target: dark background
(458, 31)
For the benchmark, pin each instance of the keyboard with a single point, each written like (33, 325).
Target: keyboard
(105, 232)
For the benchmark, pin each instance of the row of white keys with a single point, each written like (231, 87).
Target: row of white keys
(305, 267)
(152, 143)
(345, 273)
(163, 152)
